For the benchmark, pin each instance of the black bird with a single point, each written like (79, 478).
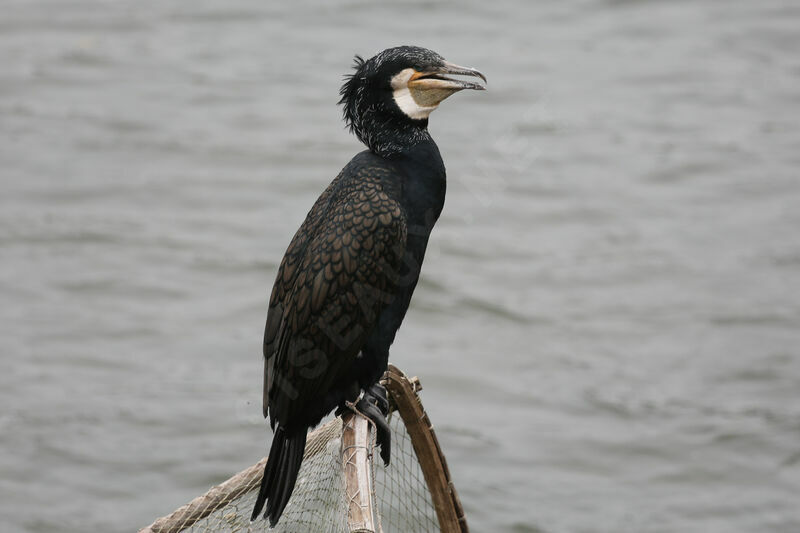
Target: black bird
(347, 278)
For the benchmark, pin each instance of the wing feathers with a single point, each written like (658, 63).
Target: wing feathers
(354, 239)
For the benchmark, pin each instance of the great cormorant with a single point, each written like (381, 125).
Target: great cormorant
(347, 278)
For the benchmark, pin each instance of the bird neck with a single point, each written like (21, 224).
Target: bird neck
(423, 183)
(388, 137)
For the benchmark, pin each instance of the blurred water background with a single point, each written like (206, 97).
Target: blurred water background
(608, 323)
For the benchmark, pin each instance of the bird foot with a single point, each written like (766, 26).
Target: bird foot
(374, 405)
(383, 434)
(377, 395)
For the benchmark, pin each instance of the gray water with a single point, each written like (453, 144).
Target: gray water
(608, 323)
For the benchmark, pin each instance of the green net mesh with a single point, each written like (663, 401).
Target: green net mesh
(404, 503)
(320, 501)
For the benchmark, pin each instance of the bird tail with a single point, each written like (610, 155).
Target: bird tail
(280, 473)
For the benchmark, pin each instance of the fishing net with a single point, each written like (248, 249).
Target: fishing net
(343, 486)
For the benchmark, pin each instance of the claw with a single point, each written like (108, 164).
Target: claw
(383, 434)
(374, 405)
(377, 395)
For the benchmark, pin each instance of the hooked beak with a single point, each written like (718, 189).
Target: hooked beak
(436, 80)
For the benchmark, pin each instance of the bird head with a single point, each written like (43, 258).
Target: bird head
(394, 92)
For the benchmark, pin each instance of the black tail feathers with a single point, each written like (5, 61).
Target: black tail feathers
(280, 473)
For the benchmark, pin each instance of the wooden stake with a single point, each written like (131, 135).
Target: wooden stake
(356, 461)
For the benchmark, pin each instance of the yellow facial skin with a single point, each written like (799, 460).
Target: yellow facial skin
(418, 93)
(429, 92)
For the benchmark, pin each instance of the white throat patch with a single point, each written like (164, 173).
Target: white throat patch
(405, 100)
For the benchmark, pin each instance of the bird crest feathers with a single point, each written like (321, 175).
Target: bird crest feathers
(350, 93)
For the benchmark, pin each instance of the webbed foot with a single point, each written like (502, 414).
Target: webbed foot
(383, 435)
(377, 395)
(374, 405)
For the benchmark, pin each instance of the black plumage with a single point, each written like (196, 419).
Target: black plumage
(347, 278)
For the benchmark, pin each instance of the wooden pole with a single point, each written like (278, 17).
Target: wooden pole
(356, 462)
